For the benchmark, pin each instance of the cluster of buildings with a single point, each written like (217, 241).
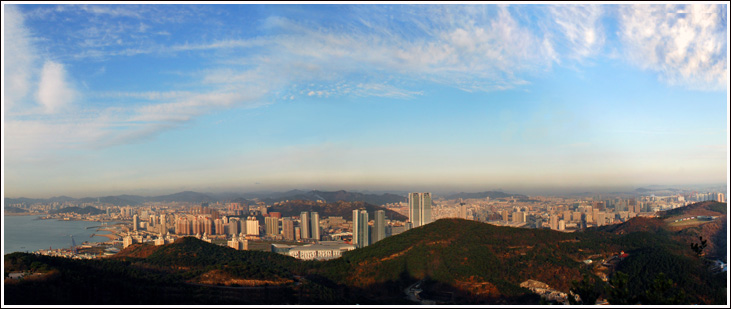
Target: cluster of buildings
(309, 236)
(564, 213)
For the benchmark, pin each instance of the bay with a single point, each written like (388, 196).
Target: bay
(28, 233)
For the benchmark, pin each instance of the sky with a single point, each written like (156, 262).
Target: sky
(155, 99)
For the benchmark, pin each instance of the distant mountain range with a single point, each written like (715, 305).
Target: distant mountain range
(267, 197)
(196, 197)
(88, 210)
(479, 195)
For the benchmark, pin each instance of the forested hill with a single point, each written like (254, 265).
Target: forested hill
(482, 263)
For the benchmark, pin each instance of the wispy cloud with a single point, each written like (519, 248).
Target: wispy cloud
(19, 57)
(580, 28)
(685, 44)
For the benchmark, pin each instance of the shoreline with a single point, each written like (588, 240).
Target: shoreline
(20, 214)
(112, 235)
(109, 236)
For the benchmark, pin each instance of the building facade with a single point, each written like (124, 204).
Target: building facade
(305, 225)
(379, 226)
(360, 228)
(315, 226)
(420, 209)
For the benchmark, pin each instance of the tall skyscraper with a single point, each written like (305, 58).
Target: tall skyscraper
(419, 209)
(305, 224)
(360, 228)
(163, 224)
(135, 222)
(315, 226)
(379, 226)
(271, 225)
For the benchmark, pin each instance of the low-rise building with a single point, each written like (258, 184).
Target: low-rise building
(325, 250)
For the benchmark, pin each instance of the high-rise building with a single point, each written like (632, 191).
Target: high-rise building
(271, 224)
(419, 208)
(233, 227)
(182, 226)
(288, 229)
(196, 226)
(379, 226)
(505, 215)
(315, 226)
(218, 224)
(127, 241)
(600, 218)
(305, 225)
(135, 222)
(463, 211)
(576, 216)
(252, 226)
(208, 225)
(163, 224)
(360, 228)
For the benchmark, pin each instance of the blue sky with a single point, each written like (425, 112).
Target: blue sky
(150, 99)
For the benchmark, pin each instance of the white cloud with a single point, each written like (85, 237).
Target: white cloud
(18, 58)
(685, 44)
(54, 92)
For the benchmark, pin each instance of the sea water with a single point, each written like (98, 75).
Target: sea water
(29, 233)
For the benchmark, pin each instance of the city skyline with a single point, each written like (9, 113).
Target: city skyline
(129, 99)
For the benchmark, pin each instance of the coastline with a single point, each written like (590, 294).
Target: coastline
(112, 235)
(20, 214)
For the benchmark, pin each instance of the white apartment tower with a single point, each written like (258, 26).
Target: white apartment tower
(252, 226)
